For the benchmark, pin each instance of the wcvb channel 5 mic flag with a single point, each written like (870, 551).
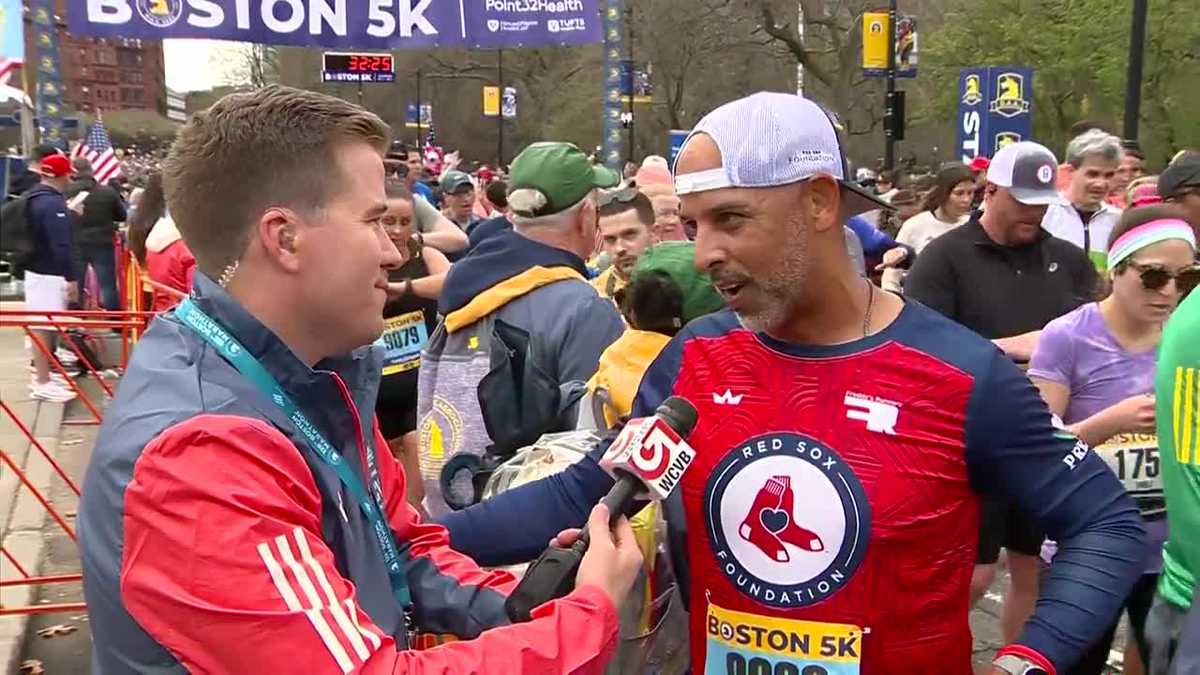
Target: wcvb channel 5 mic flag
(372, 24)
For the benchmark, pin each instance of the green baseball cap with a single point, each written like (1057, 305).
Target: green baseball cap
(560, 172)
(676, 259)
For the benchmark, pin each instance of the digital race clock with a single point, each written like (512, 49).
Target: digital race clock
(357, 67)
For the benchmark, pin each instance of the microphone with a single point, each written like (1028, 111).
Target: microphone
(647, 459)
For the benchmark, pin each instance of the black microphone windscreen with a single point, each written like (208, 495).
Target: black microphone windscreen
(679, 413)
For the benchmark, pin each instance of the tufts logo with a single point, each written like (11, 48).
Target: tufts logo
(160, 13)
(493, 25)
(1010, 96)
(971, 90)
(552, 25)
(788, 519)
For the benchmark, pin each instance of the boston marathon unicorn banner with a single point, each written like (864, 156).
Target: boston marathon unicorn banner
(376, 24)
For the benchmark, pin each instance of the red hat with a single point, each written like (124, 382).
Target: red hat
(980, 163)
(56, 166)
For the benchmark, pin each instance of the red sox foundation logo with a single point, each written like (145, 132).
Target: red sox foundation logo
(787, 519)
(769, 525)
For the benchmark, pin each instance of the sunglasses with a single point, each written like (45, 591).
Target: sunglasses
(624, 196)
(1155, 277)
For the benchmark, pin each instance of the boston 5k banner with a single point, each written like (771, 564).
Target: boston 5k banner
(376, 24)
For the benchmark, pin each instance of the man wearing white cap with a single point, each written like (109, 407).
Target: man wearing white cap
(828, 521)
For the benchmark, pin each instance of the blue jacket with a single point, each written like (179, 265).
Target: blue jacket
(50, 223)
(875, 242)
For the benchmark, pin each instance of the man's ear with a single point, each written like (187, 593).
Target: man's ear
(821, 203)
(280, 236)
(588, 220)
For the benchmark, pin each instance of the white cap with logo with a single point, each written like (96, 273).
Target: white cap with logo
(770, 139)
(1029, 170)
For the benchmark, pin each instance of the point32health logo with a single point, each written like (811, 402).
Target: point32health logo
(787, 519)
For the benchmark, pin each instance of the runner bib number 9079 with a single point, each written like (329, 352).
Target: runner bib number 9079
(403, 338)
(370, 504)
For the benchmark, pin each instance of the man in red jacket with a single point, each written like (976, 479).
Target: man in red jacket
(241, 512)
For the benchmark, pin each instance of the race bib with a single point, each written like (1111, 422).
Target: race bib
(748, 644)
(404, 337)
(1134, 458)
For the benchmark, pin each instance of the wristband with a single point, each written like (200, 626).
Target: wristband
(1029, 655)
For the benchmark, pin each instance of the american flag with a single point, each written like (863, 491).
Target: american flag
(98, 149)
(7, 66)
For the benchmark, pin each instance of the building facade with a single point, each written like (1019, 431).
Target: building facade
(105, 74)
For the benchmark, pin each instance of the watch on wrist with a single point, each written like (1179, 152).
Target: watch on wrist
(1018, 665)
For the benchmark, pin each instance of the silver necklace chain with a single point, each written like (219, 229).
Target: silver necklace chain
(870, 306)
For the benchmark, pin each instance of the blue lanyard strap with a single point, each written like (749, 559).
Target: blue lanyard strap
(371, 505)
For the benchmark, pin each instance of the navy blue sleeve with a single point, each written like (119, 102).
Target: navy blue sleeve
(515, 526)
(1014, 452)
(875, 242)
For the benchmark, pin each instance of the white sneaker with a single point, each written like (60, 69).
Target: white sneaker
(51, 391)
(54, 377)
(66, 356)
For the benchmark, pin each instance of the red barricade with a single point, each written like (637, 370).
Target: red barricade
(130, 326)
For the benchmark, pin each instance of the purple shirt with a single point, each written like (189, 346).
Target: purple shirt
(1077, 350)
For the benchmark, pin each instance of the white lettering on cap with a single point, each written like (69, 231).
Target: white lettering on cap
(1045, 173)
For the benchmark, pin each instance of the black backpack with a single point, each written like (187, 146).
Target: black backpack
(16, 237)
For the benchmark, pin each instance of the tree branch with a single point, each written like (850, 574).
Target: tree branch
(791, 39)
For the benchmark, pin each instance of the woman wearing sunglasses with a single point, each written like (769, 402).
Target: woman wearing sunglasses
(1095, 369)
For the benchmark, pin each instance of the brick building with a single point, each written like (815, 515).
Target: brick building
(109, 74)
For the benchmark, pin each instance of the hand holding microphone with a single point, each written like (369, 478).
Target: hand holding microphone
(648, 459)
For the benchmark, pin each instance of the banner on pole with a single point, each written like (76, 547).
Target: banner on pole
(875, 40)
(508, 103)
(376, 24)
(995, 108)
(637, 82)
(49, 88)
(410, 115)
(614, 104)
(491, 101)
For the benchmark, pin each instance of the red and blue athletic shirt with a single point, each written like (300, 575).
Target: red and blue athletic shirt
(829, 522)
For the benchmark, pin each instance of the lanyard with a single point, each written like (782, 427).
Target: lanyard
(371, 505)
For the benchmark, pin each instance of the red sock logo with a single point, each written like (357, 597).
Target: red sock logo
(793, 534)
(770, 523)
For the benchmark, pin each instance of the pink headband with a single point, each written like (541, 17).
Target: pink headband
(1149, 233)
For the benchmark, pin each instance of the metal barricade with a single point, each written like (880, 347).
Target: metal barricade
(130, 325)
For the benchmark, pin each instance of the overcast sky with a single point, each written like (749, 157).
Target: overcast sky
(191, 65)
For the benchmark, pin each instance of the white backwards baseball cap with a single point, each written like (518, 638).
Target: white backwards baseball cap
(770, 139)
(1030, 172)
